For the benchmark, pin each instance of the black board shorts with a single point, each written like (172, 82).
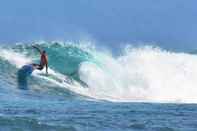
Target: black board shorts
(40, 67)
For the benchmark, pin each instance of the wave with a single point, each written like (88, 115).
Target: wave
(145, 74)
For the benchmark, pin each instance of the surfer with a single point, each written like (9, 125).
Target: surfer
(43, 59)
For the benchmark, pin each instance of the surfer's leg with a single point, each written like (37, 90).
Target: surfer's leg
(36, 66)
(40, 67)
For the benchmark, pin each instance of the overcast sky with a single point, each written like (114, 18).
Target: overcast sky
(172, 24)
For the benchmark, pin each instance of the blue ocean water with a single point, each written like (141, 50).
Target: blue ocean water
(91, 89)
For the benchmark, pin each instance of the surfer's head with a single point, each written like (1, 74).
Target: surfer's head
(44, 52)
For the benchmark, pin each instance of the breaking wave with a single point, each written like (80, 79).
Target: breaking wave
(144, 74)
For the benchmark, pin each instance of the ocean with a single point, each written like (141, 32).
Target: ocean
(96, 89)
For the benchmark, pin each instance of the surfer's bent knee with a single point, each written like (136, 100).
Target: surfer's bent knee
(40, 67)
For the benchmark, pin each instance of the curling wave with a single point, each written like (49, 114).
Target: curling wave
(140, 74)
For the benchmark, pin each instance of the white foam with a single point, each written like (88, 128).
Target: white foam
(14, 58)
(145, 74)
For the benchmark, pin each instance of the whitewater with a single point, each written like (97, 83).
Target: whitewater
(137, 74)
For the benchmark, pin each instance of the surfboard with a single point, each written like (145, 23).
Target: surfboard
(50, 76)
(63, 79)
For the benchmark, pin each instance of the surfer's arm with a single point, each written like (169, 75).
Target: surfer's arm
(37, 48)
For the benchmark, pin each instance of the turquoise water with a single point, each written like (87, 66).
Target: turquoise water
(106, 92)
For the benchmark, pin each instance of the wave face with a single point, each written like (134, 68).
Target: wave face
(144, 74)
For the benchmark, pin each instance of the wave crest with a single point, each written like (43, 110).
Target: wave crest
(139, 74)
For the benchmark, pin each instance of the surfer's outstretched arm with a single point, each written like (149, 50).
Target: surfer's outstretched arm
(37, 48)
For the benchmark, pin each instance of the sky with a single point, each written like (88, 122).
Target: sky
(170, 24)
